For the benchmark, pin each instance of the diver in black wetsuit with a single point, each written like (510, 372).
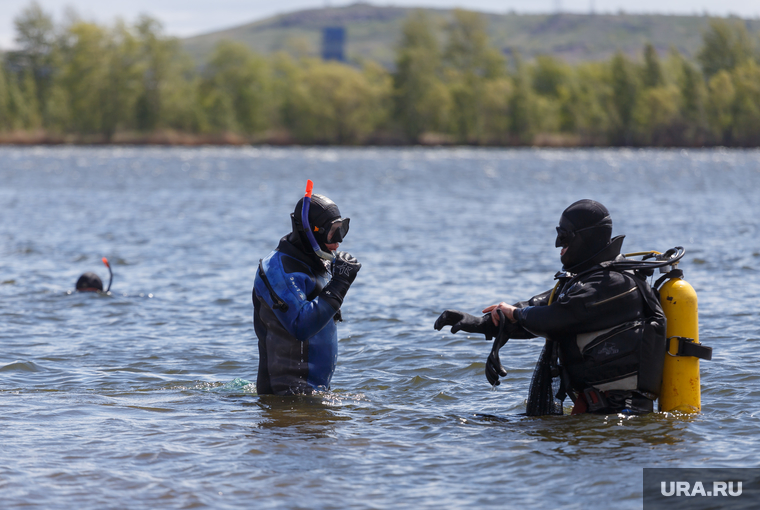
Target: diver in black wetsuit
(604, 327)
(297, 296)
(90, 282)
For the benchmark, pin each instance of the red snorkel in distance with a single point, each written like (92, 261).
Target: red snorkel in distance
(307, 228)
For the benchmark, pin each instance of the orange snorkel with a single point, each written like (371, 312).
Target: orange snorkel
(110, 273)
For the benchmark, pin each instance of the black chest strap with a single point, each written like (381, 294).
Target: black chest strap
(277, 302)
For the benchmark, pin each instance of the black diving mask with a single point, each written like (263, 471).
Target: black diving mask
(335, 232)
(565, 236)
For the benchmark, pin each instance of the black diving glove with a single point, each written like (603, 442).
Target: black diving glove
(344, 270)
(460, 321)
(494, 368)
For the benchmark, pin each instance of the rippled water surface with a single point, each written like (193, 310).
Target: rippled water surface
(142, 399)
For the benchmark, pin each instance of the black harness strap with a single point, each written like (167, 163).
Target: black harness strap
(675, 273)
(688, 347)
(277, 302)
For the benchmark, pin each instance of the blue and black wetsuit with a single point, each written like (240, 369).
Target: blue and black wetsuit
(298, 341)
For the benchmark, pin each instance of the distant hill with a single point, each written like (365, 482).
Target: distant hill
(372, 33)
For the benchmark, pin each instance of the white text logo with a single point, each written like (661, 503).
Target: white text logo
(686, 489)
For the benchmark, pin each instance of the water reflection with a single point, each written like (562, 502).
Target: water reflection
(609, 433)
(302, 417)
(619, 436)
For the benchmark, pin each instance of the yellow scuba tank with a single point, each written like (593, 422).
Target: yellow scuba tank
(680, 390)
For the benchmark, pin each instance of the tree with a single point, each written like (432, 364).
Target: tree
(467, 50)
(550, 80)
(624, 92)
(470, 62)
(101, 78)
(287, 77)
(58, 112)
(585, 103)
(656, 116)
(16, 108)
(522, 118)
(725, 46)
(31, 117)
(6, 123)
(168, 90)
(36, 56)
(237, 77)
(495, 116)
(549, 75)
(180, 99)
(720, 106)
(330, 102)
(692, 92)
(746, 128)
(419, 96)
(155, 55)
(652, 71)
(380, 82)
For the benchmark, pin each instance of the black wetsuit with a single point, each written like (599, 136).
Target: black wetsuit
(610, 330)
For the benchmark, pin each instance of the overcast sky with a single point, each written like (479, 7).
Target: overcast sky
(191, 17)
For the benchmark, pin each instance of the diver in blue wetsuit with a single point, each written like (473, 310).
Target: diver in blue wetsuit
(297, 295)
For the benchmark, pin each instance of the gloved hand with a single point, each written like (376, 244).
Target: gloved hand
(460, 321)
(494, 368)
(344, 270)
(345, 267)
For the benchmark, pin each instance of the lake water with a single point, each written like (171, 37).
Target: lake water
(142, 399)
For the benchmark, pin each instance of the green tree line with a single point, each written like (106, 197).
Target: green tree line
(82, 81)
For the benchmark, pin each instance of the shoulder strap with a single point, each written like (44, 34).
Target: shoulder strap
(649, 297)
(277, 302)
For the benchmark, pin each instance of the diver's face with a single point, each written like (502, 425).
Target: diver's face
(335, 232)
(565, 237)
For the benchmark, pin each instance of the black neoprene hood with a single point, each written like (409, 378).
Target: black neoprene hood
(89, 282)
(585, 227)
(322, 212)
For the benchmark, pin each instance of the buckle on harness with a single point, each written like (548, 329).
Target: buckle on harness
(688, 347)
(595, 399)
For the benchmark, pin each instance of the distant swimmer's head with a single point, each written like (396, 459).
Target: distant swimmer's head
(325, 222)
(585, 229)
(89, 282)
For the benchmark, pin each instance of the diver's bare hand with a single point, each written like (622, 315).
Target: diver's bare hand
(506, 309)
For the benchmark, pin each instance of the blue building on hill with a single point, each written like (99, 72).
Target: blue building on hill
(333, 43)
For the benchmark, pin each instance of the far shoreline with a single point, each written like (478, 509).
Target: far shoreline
(283, 139)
